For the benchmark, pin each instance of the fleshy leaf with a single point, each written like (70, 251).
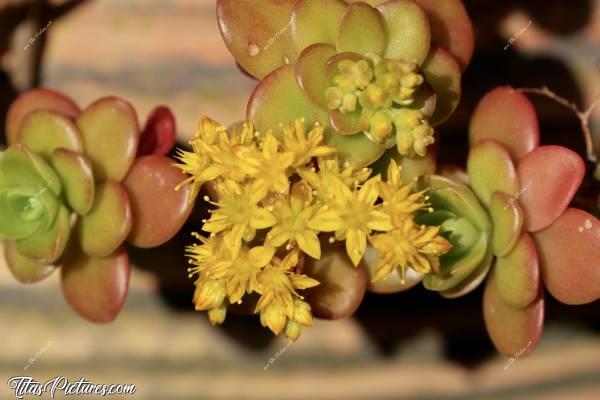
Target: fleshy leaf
(158, 210)
(265, 106)
(75, 172)
(258, 35)
(425, 100)
(96, 287)
(345, 124)
(19, 218)
(342, 286)
(311, 72)
(508, 217)
(358, 149)
(361, 30)
(507, 116)
(491, 169)
(46, 246)
(408, 30)
(158, 136)
(569, 252)
(36, 99)
(21, 167)
(552, 175)
(110, 133)
(316, 21)
(105, 227)
(451, 28)
(443, 72)
(514, 331)
(22, 268)
(473, 281)
(391, 283)
(517, 274)
(44, 131)
(412, 167)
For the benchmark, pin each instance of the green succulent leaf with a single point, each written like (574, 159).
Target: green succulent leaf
(345, 124)
(361, 30)
(517, 274)
(96, 287)
(311, 72)
(105, 227)
(358, 149)
(508, 218)
(19, 218)
(491, 169)
(316, 21)
(32, 100)
(22, 268)
(75, 172)
(20, 167)
(408, 30)
(110, 132)
(475, 279)
(443, 72)
(46, 246)
(44, 131)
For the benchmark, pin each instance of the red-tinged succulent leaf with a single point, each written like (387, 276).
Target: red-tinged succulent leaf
(517, 274)
(409, 35)
(44, 131)
(110, 132)
(345, 124)
(311, 72)
(104, 228)
(158, 210)
(265, 108)
(361, 30)
(159, 134)
(36, 99)
(552, 175)
(454, 172)
(46, 246)
(451, 28)
(342, 285)
(76, 175)
(457, 269)
(473, 281)
(491, 169)
(391, 283)
(569, 252)
(258, 33)
(457, 198)
(96, 287)
(358, 149)
(19, 166)
(508, 217)
(508, 116)
(514, 331)
(316, 21)
(442, 71)
(425, 100)
(22, 268)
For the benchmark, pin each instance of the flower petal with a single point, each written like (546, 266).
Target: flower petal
(309, 243)
(569, 251)
(261, 218)
(261, 255)
(555, 174)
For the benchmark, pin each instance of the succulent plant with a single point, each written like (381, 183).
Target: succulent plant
(508, 219)
(76, 185)
(375, 74)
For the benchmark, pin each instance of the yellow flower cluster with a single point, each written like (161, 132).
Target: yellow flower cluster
(272, 197)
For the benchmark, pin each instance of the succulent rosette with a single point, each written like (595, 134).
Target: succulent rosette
(508, 219)
(76, 185)
(375, 74)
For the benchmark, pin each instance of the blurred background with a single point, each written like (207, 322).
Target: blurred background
(406, 346)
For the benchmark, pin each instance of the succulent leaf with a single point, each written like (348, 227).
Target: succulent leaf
(46, 246)
(443, 73)
(22, 268)
(316, 21)
(311, 72)
(507, 217)
(76, 175)
(361, 30)
(158, 136)
(44, 131)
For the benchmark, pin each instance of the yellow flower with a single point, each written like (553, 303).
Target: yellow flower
(273, 173)
(239, 211)
(217, 315)
(399, 201)
(302, 317)
(409, 246)
(293, 215)
(331, 165)
(352, 214)
(302, 146)
(278, 284)
(209, 293)
(242, 274)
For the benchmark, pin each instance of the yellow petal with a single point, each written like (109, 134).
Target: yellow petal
(302, 313)
(369, 192)
(216, 316)
(261, 218)
(276, 237)
(303, 282)
(261, 255)
(380, 221)
(325, 221)
(309, 243)
(356, 244)
(274, 318)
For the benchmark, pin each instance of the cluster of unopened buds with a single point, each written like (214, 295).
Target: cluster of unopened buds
(273, 195)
